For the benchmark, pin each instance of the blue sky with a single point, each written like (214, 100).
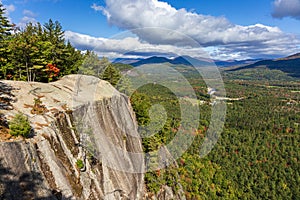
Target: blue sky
(232, 29)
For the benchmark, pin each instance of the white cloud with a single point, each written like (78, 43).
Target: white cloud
(286, 8)
(97, 8)
(267, 49)
(175, 28)
(10, 8)
(127, 46)
(28, 17)
(100, 8)
(132, 47)
(29, 13)
(207, 30)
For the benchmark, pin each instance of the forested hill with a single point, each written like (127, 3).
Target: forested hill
(289, 65)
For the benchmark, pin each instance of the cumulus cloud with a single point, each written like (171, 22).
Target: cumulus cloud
(127, 46)
(133, 47)
(268, 49)
(134, 15)
(286, 8)
(176, 27)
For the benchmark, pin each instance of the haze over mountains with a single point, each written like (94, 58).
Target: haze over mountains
(289, 64)
(184, 60)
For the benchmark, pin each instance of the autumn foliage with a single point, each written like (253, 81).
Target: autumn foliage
(52, 70)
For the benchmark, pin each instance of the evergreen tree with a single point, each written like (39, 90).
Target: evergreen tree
(5, 28)
(124, 85)
(73, 60)
(39, 53)
(54, 34)
(111, 74)
(91, 64)
(20, 125)
(26, 53)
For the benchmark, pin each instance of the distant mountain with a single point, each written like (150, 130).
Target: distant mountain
(184, 60)
(231, 63)
(294, 56)
(180, 60)
(151, 60)
(126, 60)
(289, 65)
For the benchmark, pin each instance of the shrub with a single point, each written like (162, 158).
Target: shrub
(38, 108)
(19, 125)
(79, 164)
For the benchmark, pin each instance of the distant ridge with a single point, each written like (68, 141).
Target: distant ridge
(294, 56)
(231, 63)
(183, 60)
(151, 60)
(180, 60)
(289, 65)
(126, 60)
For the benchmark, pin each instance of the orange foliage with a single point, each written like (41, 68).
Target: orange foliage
(52, 70)
(158, 172)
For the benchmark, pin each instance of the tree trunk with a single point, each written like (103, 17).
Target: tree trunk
(27, 71)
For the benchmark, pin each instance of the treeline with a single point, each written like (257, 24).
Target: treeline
(36, 52)
(40, 53)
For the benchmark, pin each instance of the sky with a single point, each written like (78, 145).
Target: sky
(217, 29)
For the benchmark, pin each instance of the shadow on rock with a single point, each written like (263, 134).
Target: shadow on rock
(6, 96)
(26, 186)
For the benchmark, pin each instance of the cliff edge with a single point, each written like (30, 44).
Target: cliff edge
(84, 142)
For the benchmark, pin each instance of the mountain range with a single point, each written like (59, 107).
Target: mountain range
(289, 65)
(183, 60)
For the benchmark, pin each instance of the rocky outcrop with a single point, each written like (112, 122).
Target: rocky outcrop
(84, 143)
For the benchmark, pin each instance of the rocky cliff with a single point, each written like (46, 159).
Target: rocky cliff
(84, 143)
(47, 165)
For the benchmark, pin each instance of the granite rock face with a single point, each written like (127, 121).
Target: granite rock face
(45, 165)
(84, 144)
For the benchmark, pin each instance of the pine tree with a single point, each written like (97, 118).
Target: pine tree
(73, 60)
(37, 53)
(111, 74)
(20, 125)
(54, 34)
(5, 28)
(124, 85)
(26, 53)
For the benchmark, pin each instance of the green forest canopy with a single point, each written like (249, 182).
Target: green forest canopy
(39, 52)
